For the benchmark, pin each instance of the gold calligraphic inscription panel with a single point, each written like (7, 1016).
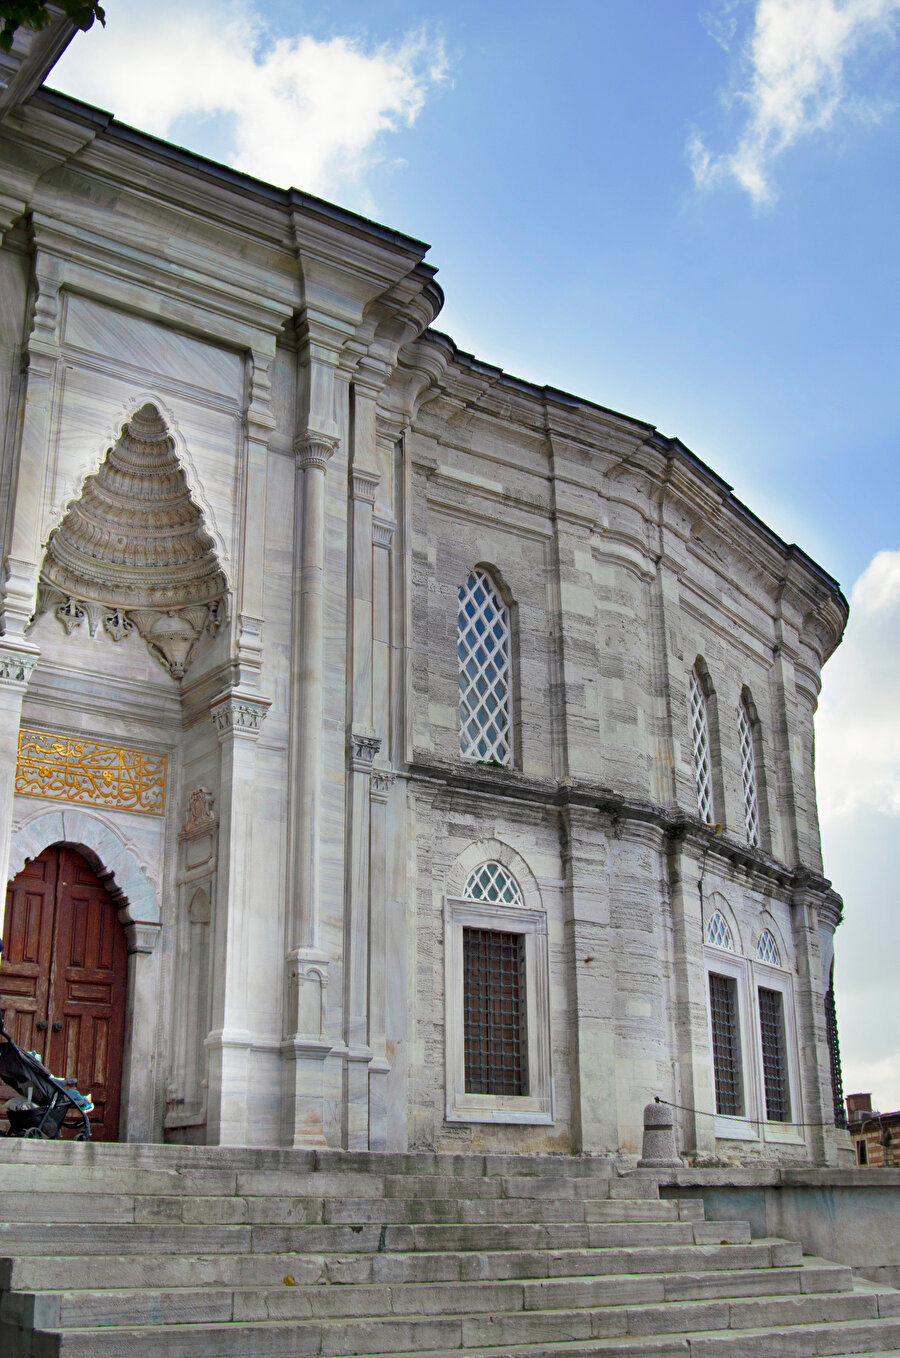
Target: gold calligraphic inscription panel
(73, 770)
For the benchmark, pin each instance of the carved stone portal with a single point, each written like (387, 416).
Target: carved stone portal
(132, 554)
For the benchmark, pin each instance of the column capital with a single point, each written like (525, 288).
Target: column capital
(314, 450)
(235, 713)
(364, 745)
(382, 531)
(17, 665)
(383, 780)
(364, 484)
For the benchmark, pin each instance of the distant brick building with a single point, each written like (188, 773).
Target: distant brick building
(875, 1136)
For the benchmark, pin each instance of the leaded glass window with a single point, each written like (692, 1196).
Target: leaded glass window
(483, 648)
(748, 775)
(494, 1012)
(774, 1055)
(726, 1036)
(700, 747)
(718, 932)
(491, 882)
(767, 948)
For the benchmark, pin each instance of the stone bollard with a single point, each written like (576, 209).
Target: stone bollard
(658, 1150)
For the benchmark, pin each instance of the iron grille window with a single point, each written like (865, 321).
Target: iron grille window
(726, 1035)
(700, 747)
(774, 1057)
(494, 1014)
(748, 775)
(834, 1053)
(484, 672)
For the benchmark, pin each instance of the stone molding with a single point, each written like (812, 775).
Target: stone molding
(239, 714)
(109, 855)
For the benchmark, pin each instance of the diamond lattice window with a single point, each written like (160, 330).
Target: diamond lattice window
(491, 882)
(700, 747)
(767, 948)
(718, 932)
(748, 775)
(483, 647)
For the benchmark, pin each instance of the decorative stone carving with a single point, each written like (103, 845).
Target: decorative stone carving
(314, 450)
(363, 485)
(132, 553)
(70, 769)
(383, 780)
(238, 714)
(199, 818)
(16, 667)
(364, 745)
(382, 532)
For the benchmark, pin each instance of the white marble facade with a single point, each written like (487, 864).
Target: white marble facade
(294, 916)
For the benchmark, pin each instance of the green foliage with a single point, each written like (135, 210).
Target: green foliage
(33, 13)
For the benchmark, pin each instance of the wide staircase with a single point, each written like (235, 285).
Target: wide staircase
(113, 1251)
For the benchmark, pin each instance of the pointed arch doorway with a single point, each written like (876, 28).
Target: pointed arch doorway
(64, 979)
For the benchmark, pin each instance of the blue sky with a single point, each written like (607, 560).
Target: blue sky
(688, 213)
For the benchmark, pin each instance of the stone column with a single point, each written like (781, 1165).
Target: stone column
(16, 667)
(812, 1038)
(238, 718)
(23, 561)
(692, 1050)
(305, 1046)
(379, 1067)
(137, 1114)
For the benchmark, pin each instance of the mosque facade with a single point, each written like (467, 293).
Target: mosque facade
(394, 754)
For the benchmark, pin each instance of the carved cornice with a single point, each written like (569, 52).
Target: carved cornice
(364, 485)
(314, 451)
(239, 714)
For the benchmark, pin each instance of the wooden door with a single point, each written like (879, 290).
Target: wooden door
(64, 977)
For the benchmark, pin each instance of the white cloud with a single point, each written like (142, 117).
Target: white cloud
(292, 110)
(858, 726)
(796, 61)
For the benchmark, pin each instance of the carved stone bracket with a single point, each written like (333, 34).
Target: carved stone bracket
(239, 714)
(142, 937)
(314, 451)
(16, 667)
(364, 746)
(363, 485)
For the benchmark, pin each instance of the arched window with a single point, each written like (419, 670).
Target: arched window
(700, 745)
(483, 648)
(718, 932)
(767, 948)
(492, 882)
(748, 773)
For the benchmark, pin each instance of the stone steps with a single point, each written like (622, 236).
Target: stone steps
(106, 1252)
(286, 1339)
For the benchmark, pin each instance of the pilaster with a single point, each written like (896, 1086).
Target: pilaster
(812, 1038)
(16, 668)
(238, 717)
(691, 1024)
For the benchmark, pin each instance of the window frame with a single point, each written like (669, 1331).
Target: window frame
(749, 974)
(538, 1106)
(489, 581)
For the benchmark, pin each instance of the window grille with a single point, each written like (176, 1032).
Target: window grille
(491, 882)
(718, 932)
(494, 1013)
(774, 1057)
(767, 948)
(701, 748)
(483, 648)
(726, 1035)
(748, 775)
(834, 1053)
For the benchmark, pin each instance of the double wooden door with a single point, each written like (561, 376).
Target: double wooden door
(64, 977)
